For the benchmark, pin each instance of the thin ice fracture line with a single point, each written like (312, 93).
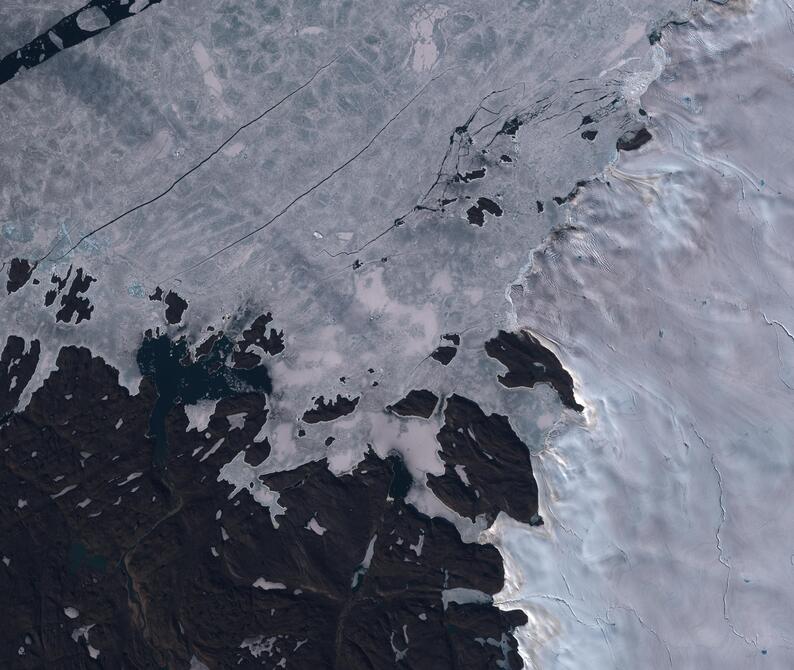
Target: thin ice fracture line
(194, 168)
(308, 191)
(775, 322)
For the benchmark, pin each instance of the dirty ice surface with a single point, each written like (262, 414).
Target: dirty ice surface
(669, 540)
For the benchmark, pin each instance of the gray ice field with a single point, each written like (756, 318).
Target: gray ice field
(378, 175)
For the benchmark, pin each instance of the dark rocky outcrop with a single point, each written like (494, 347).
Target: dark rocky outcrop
(476, 213)
(444, 354)
(257, 336)
(472, 175)
(175, 307)
(16, 369)
(420, 403)
(113, 560)
(328, 410)
(487, 467)
(561, 200)
(19, 271)
(633, 139)
(74, 304)
(528, 363)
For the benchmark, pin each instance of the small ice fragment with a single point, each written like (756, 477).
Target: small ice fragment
(313, 525)
(92, 18)
(265, 585)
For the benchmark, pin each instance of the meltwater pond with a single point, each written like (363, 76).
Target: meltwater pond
(180, 379)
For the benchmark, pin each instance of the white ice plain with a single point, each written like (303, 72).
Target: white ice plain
(669, 540)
